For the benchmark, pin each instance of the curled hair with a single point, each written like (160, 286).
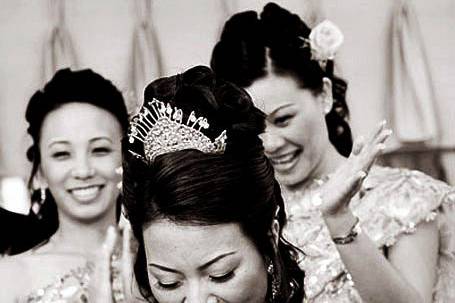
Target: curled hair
(66, 86)
(249, 42)
(195, 188)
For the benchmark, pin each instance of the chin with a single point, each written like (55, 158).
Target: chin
(293, 179)
(93, 213)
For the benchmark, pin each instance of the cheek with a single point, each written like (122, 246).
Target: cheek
(250, 287)
(55, 172)
(107, 167)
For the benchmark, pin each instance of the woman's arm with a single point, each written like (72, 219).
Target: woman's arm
(408, 275)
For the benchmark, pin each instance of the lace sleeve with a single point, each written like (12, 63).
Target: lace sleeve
(394, 201)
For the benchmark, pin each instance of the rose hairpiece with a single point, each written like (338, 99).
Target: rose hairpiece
(162, 129)
(324, 41)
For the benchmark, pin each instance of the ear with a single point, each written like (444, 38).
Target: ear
(327, 96)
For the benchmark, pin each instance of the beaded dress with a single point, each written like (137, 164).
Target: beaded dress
(72, 287)
(391, 202)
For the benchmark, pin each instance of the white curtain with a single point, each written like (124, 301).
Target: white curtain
(412, 107)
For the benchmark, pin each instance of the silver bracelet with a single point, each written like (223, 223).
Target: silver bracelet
(351, 236)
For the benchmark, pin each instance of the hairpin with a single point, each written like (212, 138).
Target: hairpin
(161, 129)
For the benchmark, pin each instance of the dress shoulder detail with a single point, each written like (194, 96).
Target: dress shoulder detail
(394, 201)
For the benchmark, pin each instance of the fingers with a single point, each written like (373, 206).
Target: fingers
(358, 145)
(378, 130)
(382, 134)
(127, 258)
(373, 148)
(100, 284)
(109, 242)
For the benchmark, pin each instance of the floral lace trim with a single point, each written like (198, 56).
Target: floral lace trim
(394, 201)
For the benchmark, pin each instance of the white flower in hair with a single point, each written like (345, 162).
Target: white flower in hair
(325, 39)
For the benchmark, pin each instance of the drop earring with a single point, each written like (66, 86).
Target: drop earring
(274, 281)
(36, 206)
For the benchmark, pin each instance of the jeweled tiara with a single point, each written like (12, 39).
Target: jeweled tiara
(161, 129)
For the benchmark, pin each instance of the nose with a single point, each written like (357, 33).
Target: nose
(198, 294)
(83, 168)
(273, 141)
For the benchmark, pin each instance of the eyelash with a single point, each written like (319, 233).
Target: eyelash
(283, 120)
(216, 279)
(170, 286)
(223, 278)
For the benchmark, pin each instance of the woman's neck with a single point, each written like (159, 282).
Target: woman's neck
(78, 237)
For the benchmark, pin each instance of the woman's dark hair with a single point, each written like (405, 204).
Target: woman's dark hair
(249, 42)
(192, 187)
(66, 86)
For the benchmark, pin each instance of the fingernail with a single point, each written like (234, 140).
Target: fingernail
(381, 146)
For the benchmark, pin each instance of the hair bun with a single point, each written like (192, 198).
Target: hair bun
(242, 25)
(224, 105)
(283, 27)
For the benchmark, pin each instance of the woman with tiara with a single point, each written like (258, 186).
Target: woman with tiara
(202, 198)
(76, 122)
(406, 250)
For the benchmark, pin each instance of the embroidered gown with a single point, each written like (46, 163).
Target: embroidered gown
(391, 202)
(72, 287)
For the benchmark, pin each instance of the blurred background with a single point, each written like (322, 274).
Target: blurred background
(398, 58)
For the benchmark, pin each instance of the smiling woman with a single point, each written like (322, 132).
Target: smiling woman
(332, 189)
(77, 122)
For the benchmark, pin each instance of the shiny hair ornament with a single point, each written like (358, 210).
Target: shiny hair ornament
(161, 129)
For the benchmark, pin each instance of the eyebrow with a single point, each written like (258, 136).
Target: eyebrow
(101, 138)
(200, 268)
(62, 141)
(280, 108)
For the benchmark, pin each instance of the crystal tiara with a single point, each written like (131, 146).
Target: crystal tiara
(161, 130)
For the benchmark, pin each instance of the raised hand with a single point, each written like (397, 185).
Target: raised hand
(100, 289)
(112, 277)
(345, 182)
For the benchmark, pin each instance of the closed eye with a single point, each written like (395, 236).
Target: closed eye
(282, 120)
(168, 286)
(223, 278)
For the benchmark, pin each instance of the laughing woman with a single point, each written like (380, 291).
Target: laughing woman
(76, 123)
(406, 251)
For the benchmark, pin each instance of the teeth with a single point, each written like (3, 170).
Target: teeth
(86, 194)
(284, 159)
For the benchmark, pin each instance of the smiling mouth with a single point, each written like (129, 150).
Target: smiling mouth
(86, 194)
(285, 162)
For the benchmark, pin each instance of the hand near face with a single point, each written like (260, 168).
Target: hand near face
(345, 182)
(112, 277)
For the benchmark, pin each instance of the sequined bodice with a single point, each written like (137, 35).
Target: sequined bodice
(70, 286)
(391, 202)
